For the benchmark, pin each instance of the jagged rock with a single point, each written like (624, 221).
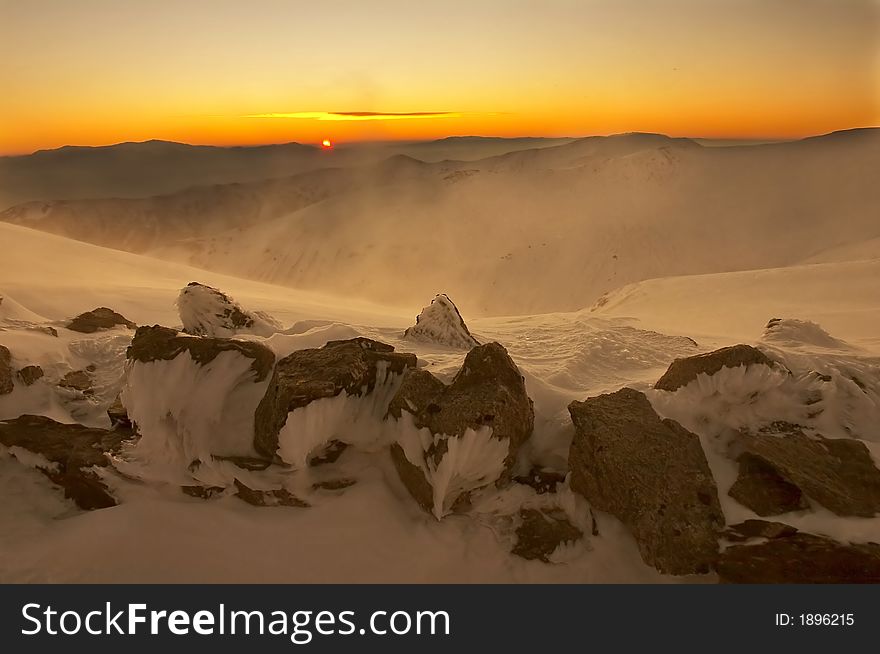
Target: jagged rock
(542, 480)
(277, 497)
(541, 531)
(331, 452)
(440, 322)
(477, 423)
(118, 414)
(651, 474)
(203, 492)
(43, 329)
(207, 311)
(760, 488)
(73, 449)
(6, 383)
(158, 343)
(78, 380)
(100, 318)
(30, 374)
(793, 557)
(839, 474)
(349, 366)
(681, 372)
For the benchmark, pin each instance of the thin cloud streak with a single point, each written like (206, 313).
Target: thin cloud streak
(359, 115)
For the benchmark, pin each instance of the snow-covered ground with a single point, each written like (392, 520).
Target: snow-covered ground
(374, 531)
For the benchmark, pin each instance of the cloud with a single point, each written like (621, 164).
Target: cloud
(360, 115)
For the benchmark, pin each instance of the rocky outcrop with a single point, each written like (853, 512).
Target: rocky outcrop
(651, 474)
(207, 311)
(477, 425)
(193, 398)
(541, 531)
(70, 452)
(441, 323)
(29, 375)
(77, 380)
(761, 488)
(839, 474)
(6, 383)
(119, 415)
(99, 319)
(542, 480)
(276, 497)
(351, 367)
(683, 371)
(787, 556)
(158, 343)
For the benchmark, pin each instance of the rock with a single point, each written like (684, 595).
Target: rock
(760, 488)
(542, 531)
(6, 383)
(839, 474)
(206, 311)
(277, 497)
(158, 343)
(750, 529)
(194, 397)
(78, 380)
(651, 474)
(799, 558)
(30, 374)
(418, 389)
(683, 371)
(441, 323)
(118, 414)
(98, 319)
(43, 329)
(542, 480)
(203, 492)
(478, 424)
(349, 366)
(334, 484)
(74, 449)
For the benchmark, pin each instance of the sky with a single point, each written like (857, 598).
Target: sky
(96, 72)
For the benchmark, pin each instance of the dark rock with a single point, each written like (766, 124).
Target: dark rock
(441, 323)
(203, 492)
(683, 371)
(760, 488)
(245, 462)
(839, 474)
(73, 448)
(6, 383)
(278, 497)
(543, 481)
(348, 366)
(118, 415)
(418, 389)
(334, 484)
(800, 558)
(651, 474)
(542, 531)
(488, 391)
(331, 452)
(78, 380)
(43, 329)
(750, 529)
(164, 344)
(30, 374)
(100, 318)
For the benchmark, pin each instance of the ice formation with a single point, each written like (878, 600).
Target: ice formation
(207, 311)
(441, 323)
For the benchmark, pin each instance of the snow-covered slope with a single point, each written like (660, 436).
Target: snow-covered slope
(536, 230)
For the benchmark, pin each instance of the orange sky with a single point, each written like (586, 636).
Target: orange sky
(96, 72)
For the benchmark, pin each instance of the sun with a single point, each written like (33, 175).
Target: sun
(327, 144)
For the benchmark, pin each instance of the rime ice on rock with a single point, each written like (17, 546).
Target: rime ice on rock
(441, 323)
(207, 311)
